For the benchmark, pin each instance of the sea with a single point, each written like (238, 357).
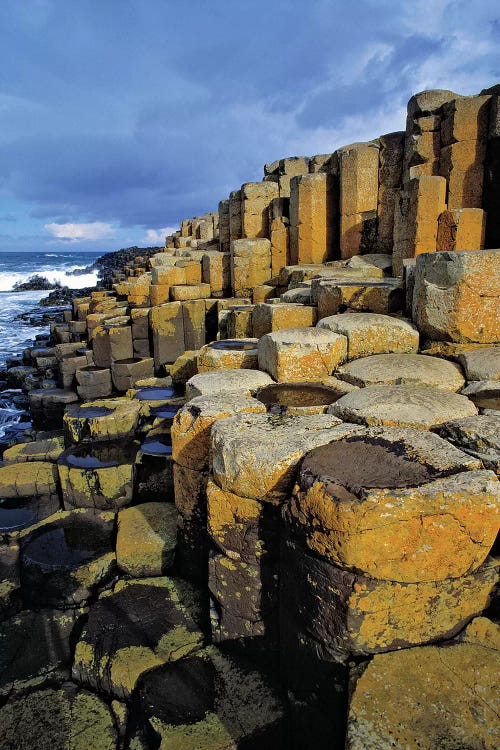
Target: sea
(16, 335)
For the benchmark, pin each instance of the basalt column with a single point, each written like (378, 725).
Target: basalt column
(190, 450)
(254, 460)
(387, 539)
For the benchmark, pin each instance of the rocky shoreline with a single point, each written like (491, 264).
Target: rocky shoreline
(258, 503)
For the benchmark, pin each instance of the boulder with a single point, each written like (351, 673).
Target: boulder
(10, 582)
(145, 543)
(481, 364)
(97, 421)
(228, 354)
(210, 701)
(457, 296)
(246, 599)
(24, 667)
(193, 423)
(301, 354)
(38, 450)
(140, 625)
(485, 394)
(334, 613)
(60, 718)
(450, 700)
(370, 333)
(67, 558)
(99, 476)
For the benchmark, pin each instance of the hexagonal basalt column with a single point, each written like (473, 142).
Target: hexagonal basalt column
(254, 462)
(301, 354)
(399, 505)
(99, 476)
(106, 419)
(190, 446)
(230, 354)
(66, 559)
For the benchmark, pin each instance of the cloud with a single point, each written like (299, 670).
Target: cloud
(157, 236)
(95, 230)
(95, 133)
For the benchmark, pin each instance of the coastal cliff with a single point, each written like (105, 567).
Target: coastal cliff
(259, 502)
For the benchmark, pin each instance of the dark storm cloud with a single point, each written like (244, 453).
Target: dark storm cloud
(138, 114)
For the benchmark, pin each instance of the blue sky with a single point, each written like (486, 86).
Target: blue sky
(118, 118)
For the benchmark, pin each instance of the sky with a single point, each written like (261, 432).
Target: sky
(119, 118)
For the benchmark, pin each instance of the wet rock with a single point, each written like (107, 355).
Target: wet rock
(209, 701)
(301, 354)
(402, 406)
(403, 369)
(226, 381)
(140, 625)
(370, 333)
(67, 558)
(399, 505)
(36, 479)
(153, 480)
(10, 582)
(48, 406)
(100, 476)
(38, 450)
(297, 398)
(107, 419)
(62, 719)
(145, 545)
(22, 665)
(449, 702)
(333, 613)
(479, 436)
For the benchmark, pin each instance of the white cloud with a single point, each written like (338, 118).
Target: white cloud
(157, 236)
(95, 230)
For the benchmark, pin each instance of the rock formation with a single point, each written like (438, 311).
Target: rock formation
(258, 504)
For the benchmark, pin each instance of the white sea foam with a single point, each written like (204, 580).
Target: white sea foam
(64, 277)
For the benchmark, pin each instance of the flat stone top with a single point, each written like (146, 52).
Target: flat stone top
(302, 336)
(232, 345)
(225, 380)
(52, 395)
(385, 457)
(481, 364)
(104, 407)
(402, 406)
(256, 455)
(347, 323)
(403, 369)
(215, 404)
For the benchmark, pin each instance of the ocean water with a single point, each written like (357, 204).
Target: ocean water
(16, 335)
(18, 267)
